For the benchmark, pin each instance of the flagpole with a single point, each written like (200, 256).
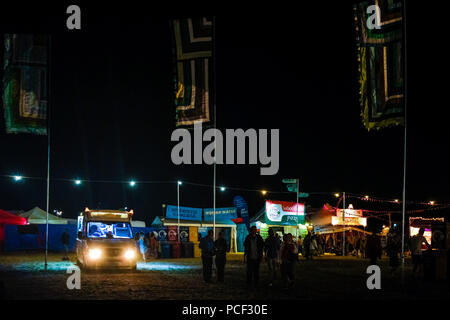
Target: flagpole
(48, 153)
(298, 183)
(343, 218)
(215, 124)
(178, 202)
(404, 145)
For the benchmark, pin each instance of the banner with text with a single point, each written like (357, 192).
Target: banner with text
(186, 213)
(284, 213)
(221, 213)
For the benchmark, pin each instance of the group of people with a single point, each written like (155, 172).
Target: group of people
(280, 256)
(211, 249)
(148, 245)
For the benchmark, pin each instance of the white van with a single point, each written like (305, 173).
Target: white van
(105, 240)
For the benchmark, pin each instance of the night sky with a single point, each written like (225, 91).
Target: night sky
(290, 68)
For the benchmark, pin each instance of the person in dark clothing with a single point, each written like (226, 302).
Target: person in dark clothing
(253, 254)
(373, 248)
(221, 256)
(393, 248)
(289, 255)
(207, 247)
(65, 239)
(272, 250)
(307, 246)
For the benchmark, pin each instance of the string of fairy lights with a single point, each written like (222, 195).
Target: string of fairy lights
(430, 205)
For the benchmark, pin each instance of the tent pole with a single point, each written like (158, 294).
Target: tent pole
(48, 152)
(215, 124)
(343, 231)
(404, 145)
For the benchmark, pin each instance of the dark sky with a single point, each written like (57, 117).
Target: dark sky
(290, 68)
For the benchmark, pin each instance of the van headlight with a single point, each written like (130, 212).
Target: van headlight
(95, 254)
(130, 254)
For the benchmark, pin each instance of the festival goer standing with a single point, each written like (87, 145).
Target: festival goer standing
(65, 242)
(307, 246)
(253, 253)
(207, 247)
(221, 256)
(358, 246)
(142, 247)
(147, 245)
(272, 251)
(373, 248)
(288, 259)
(314, 248)
(363, 246)
(416, 251)
(153, 246)
(393, 248)
(278, 259)
(300, 245)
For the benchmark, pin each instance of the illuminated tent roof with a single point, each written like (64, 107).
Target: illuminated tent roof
(38, 216)
(9, 218)
(323, 215)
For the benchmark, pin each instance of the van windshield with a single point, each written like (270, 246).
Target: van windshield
(109, 230)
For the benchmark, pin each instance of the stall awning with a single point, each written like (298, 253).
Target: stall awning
(336, 229)
(187, 223)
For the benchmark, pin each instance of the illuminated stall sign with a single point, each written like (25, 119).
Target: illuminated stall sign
(221, 213)
(349, 213)
(284, 213)
(349, 221)
(186, 213)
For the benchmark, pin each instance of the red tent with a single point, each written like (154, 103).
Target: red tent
(8, 218)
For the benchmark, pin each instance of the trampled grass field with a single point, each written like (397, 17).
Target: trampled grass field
(22, 276)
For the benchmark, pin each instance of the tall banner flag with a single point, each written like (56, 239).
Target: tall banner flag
(242, 208)
(380, 56)
(25, 90)
(193, 79)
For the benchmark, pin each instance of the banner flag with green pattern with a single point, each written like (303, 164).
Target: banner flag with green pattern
(193, 76)
(25, 92)
(380, 57)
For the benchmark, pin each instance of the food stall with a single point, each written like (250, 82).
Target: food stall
(282, 216)
(194, 224)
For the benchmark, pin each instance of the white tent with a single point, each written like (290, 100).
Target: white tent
(138, 223)
(38, 216)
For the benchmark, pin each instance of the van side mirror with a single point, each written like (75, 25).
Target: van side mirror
(80, 235)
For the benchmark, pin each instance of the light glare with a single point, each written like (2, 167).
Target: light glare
(130, 254)
(95, 254)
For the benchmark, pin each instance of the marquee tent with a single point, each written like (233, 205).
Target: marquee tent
(38, 216)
